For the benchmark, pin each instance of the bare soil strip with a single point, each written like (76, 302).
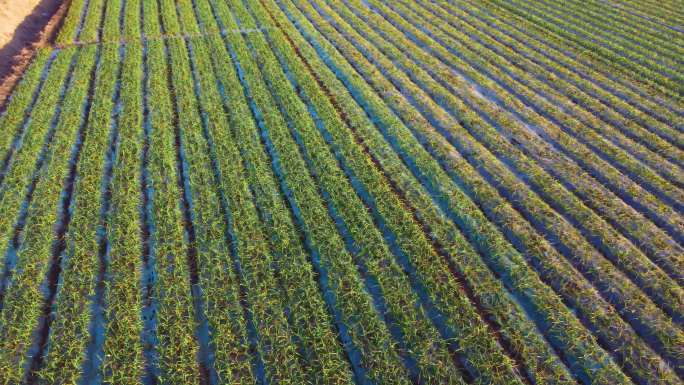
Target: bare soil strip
(35, 31)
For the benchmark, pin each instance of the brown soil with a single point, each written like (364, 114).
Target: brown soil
(25, 26)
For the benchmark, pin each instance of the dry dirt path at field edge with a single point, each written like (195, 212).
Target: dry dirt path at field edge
(25, 25)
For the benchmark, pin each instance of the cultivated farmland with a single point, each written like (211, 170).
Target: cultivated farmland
(347, 191)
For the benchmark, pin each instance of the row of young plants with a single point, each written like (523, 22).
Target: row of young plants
(97, 16)
(590, 140)
(26, 291)
(73, 22)
(120, 348)
(602, 168)
(94, 21)
(226, 328)
(628, 127)
(609, 21)
(660, 17)
(177, 348)
(583, 32)
(104, 307)
(520, 135)
(228, 313)
(317, 361)
(629, 63)
(649, 125)
(368, 96)
(551, 298)
(313, 327)
(114, 14)
(154, 302)
(296, 277)
(551, 46)
(349, 201)
(174, 333)
(67, 318)
(471, 144)
(537, 210)
(17, 113)
(250, 257)
(390, 210)
(69, 334)
(377, 163)
(367, 341)
(501, 19)
(274, 134)
(666, 14)
(20, 171)
(658, 49)
(495, 148)
(131, 29)
(280, 343)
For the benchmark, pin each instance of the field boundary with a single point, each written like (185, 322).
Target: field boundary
(21, 59)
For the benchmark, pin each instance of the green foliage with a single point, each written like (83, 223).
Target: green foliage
(290, 191)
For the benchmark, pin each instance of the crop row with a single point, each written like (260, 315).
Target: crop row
(357, 228)
(603, 18)
(673, 254)
(361, 331)
(552, 47)
(597, 29)
(309, 191)
(280, 275)
(527, 122)
(27, 286)
(626, 120)
(20, 105)
(31, 341)
(296, 274)
(554, 71)
(374, 117)
(18, 171)
(637, 294)
(380, 157)
(546, 216)
(665, 14)
(72, 317)
(395, 207)
(664, 80)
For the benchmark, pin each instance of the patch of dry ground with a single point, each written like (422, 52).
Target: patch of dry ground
(25, 25)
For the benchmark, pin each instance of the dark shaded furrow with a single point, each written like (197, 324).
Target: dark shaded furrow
(149, 305)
